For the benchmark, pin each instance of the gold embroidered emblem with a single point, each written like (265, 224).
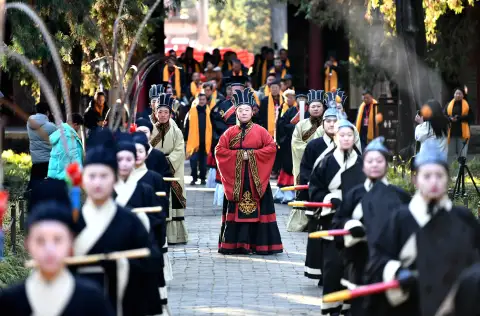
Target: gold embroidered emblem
(222, 112)
(247, 204)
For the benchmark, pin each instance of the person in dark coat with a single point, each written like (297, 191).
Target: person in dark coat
(425, 244)
(315, 151)
(51, 289)
(107, 227)
(364, 212)
(156, 160)
(339, 171)
(96, 114)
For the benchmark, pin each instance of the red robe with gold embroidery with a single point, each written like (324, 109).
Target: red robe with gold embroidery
(249, 220)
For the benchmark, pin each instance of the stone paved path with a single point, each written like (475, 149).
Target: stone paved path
(208, 283)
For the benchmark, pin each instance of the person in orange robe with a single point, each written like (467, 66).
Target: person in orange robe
(245, 155)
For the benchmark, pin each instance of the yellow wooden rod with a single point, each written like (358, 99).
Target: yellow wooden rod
(151, 209)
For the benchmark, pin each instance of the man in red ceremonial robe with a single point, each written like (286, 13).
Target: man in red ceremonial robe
(245, 155)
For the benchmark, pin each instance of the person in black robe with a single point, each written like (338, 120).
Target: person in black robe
(51, 289)
(425, 244)
(339, 171)
(364, 212)
(142, 174)
(156, 160)
(129, 193)
(283, 135)
(106, 227)
(315, 148)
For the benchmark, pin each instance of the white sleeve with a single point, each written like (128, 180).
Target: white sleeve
(394, 296)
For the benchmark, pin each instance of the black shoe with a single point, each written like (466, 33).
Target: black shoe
(203, 182)
(193, 182)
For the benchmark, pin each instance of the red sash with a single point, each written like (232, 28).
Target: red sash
(295, 119)
(229, 113)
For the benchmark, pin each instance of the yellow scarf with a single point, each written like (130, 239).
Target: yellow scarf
(197, 67)
(213, 100)
(255, 96)
(264, 72)
(271, 114)
(285, 107)
(371, 116)
(465, 127)
(284, 72)
(193, 142)
(166, 78)
(194, 90)
(287, 63)
(266, 90)
(331, 82)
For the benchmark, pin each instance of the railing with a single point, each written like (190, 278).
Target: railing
(17, 210)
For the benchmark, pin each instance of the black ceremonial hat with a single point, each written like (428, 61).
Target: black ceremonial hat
(53, 211)
(156, 90)
(49, 190)
(101, 149)
(244, 97)
(141, 138)
(166, 100)
(235, 81)
(141, 121)
(301, 93)
(315, 96)
(125, 142)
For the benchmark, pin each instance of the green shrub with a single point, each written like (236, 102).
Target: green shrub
(12, 269)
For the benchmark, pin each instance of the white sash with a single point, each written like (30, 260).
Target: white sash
(97, 221)
(124, 190)
(138, 173)
(49, 298)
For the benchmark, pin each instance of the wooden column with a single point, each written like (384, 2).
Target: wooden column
(315, 52)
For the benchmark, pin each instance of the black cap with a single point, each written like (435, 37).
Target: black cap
(276, 82)
(301, 93)
(141, 138)
(125, 142)
(101, 149)
(235, 81)
(49, 190)
(141, 121)
(53, 211)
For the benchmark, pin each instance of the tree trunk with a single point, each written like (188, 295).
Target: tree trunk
(76, 78)
(413, 82)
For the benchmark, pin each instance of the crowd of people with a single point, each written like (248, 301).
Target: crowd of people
(240, 128)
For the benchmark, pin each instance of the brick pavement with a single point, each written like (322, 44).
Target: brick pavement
(208, 283)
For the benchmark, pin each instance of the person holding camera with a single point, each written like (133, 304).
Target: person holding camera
(432, 123)
(460, 116)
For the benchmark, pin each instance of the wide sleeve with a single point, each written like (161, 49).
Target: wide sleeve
(318, 186)
(298, 145)
(342, 219)
(306, 165)
(261, 161)
(176, 158)
(384, 258)
(164, 167)
(227, 160)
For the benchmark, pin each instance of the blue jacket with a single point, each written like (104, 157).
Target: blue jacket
(38, 128)
(59, 159)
